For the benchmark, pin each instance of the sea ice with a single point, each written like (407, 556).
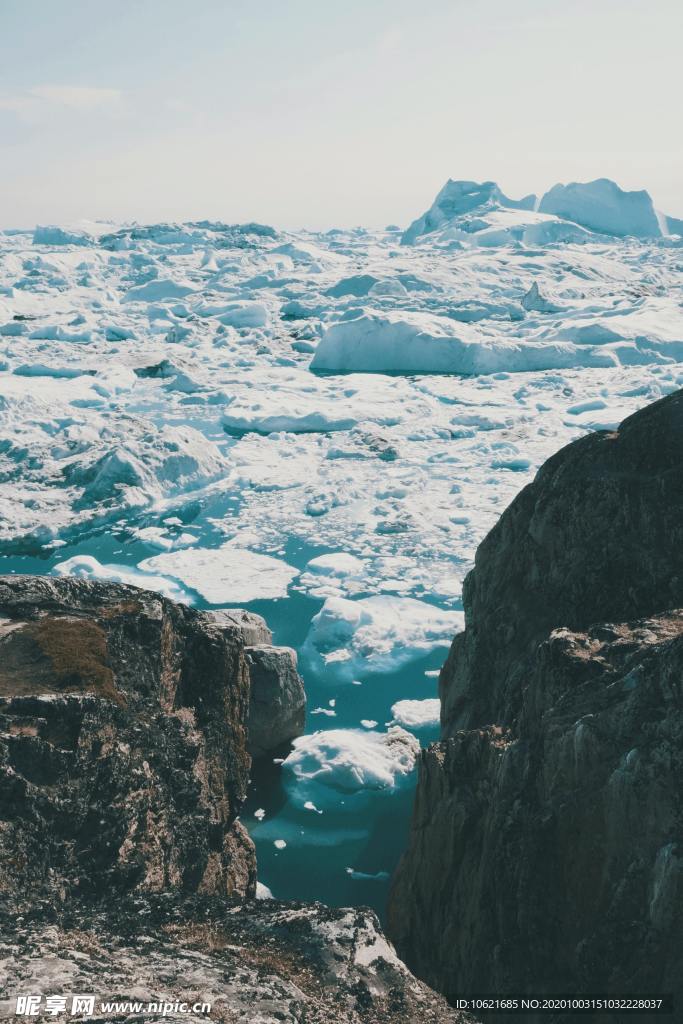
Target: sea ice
(375, 635)
(226, 575)
(179, 409)
(88, 566)
(417, 714)
(392, 342)
(349, 761)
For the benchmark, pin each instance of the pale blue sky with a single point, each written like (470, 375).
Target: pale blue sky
(315, 113)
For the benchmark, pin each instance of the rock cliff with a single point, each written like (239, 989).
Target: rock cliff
(125, 727)
(123, 753)
(546, 852)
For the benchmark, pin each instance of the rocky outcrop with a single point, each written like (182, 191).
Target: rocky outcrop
(277, 710)
(597, 536)
(546, 851)
(262, 962)
(124, 741)
(123, 760)
(124, 870)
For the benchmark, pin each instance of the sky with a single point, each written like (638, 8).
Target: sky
(323, 113)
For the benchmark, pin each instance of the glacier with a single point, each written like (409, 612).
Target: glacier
(323, 426)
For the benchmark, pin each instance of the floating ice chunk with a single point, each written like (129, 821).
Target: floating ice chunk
(263, 892)
(280, 844)
(51, 235)
(534, 301)
(390, 287)
(589, 405)
(357, 285)
(303, 416)
(225, 575)
(12, 330)
(349, 761)
(363, 876)
(86, 565)
(368, 723)
(311, 408)
(337, 563)
(113, 332)
(408, 342)
(245, 314)
(260, 814)
(310, 806)
(597, 418)
(42, 370)
(375, 634)
(158, 289)
(55, 332)
(113, 379)
(417, 714)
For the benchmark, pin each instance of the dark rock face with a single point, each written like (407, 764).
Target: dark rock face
(277, 711)
(123, 760)
(598, 536)
(546, 851)
(124, 737)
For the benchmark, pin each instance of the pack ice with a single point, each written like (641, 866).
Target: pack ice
(323, 425)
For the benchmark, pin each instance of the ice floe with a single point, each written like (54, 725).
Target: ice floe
(225, 575)
(349, 761)
(417, 714)
(375, 635)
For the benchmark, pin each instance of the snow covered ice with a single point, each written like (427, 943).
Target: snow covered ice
(323, 426)
(375, 635)
(351, 761)
(417, 714)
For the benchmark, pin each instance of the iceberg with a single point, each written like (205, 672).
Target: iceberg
(602, 206)
(349, 761)
(413, 343)
(417, 714)
(374, 635)
(458, 198)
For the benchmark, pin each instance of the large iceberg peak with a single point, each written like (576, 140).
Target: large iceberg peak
(470, 212)
(602, 206)
(458, 198)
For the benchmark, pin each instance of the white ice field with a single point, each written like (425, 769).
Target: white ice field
(322, 427)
